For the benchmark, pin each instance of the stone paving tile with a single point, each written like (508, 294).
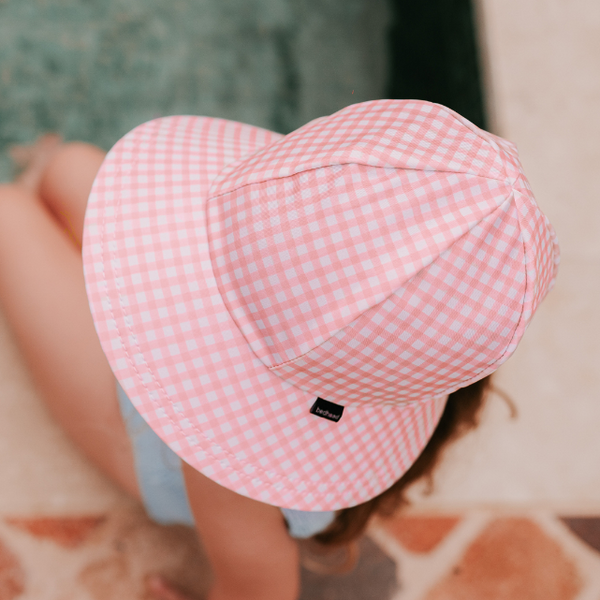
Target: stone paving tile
(373, 578)
(511, 559)
(504, 558)
(420, 534)
(12, 577)
(111, 563)
(135, 547)
(68, 532)
(586, 528)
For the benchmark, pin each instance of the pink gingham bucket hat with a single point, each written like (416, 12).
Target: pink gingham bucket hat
(289, 313)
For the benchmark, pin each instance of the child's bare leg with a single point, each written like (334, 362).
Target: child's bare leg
(61, 175)
(252, 555)
(43, 297)
(66, 184)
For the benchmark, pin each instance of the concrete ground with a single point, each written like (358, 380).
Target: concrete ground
(515, 512)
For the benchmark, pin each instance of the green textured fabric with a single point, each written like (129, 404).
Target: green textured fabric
(94, 69)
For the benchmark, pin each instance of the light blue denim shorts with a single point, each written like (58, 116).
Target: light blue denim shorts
(160, 479)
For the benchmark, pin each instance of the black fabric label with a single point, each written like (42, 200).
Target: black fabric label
(327, 410)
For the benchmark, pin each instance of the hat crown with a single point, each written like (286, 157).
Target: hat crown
(313, 232)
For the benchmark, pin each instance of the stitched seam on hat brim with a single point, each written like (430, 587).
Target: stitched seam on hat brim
(166, 396)
(273, 480)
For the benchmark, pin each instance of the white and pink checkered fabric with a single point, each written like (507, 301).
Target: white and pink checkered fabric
(379, 258)
(385, 254)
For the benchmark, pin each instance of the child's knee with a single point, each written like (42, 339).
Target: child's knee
(72, 154)
(71, 161)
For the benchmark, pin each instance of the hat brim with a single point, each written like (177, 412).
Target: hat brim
(179, 355)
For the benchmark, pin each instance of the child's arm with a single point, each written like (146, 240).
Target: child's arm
(252, 555)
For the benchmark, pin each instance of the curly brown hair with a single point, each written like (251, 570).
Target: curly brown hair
(461, 414)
